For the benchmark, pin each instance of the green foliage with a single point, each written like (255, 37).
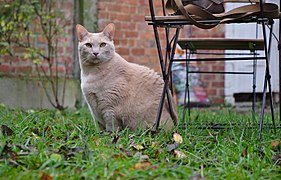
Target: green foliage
(66, 145)
(22, 23)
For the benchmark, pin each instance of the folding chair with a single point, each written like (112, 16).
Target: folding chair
(265, 14)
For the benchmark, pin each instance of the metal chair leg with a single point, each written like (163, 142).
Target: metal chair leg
(267, 81)
(166, 81)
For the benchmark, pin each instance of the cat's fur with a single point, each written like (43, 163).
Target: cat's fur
(119, 94)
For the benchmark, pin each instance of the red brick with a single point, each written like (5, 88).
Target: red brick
(24, 69)
(129, 34)
(4, 68)
(122, 51)
(218, 84)
(59, 69)
(218, 68)
(132, 42)
(115, 8)
(42, 69)
(41, 39)
(138, 51)
(120, 17)
(125, 9)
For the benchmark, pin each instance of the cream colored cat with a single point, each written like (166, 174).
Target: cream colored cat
(119, 94)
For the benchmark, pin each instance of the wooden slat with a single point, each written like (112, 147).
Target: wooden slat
(220, 44)
(181, 18)
(241, 1)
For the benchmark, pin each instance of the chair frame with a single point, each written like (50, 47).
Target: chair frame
(167, 58)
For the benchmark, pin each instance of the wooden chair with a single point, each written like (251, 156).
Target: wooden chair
(167, 21)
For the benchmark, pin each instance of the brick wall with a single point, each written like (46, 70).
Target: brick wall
(134, 39)
(16, 65)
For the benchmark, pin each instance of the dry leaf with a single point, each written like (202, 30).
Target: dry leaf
(275, 143)
(277, 158)
(144, 157)
(177, 138)
(138, 147)
(154, 144)
(245, 152)
(128, 153)
(118, 156)
(96, 141)
(6, 130)
(47, 129)
(45, 176)
(157, 153)
(172, 147)
(179, 154)
(142, 165)
(7, 151)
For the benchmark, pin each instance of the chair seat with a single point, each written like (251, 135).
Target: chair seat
(173, 18)
(194, 44)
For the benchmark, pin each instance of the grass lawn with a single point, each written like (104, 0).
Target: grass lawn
(53, 145)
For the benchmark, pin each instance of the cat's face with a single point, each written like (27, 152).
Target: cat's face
(95, 48)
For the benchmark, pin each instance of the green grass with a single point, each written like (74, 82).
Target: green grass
(67, 145)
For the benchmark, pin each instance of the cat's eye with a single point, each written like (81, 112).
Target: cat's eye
(89, 45)
(102, 44)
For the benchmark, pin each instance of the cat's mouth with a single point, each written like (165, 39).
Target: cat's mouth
(91, 60)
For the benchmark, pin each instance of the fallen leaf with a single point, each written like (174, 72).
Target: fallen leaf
(157, 153)
(47, 129)
(118, 156)
(179, 154)
(55, 157)
(177, 138)
(172, 147)
(45, 176)
(8, 151)
(142, 165)
(275, 143)
(144, 157)
(6, 130)
(138, 147)
(137, 155)
(129, 153)
(35, 130)
(154, 144)
(245, 152)
(97, 141)
(277, 159)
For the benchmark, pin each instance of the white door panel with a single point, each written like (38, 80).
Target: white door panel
(243, 83)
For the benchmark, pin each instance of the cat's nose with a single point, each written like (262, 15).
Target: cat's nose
(95, 54)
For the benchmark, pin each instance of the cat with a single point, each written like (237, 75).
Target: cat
(119, 94)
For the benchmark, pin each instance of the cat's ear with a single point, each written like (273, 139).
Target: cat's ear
(109, 31)
(81, 32)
